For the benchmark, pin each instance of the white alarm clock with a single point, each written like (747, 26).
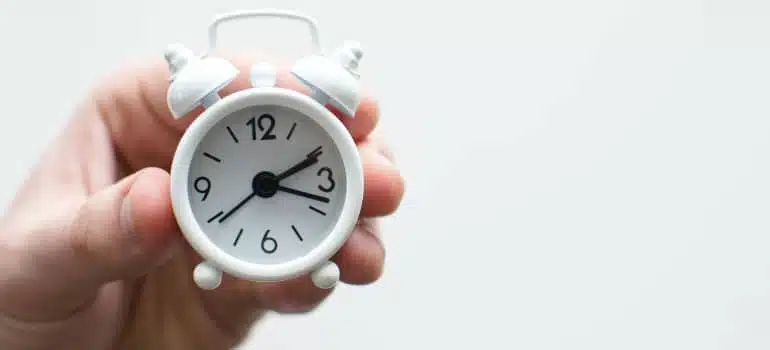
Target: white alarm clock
(266, 184)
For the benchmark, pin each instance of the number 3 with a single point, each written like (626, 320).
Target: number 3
(328, 172)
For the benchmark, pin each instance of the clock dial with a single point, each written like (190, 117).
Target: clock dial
(267, 184)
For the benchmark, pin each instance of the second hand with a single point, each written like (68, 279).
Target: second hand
(242, 203)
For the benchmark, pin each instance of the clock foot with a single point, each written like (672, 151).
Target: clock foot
(326, 276)
(207, 276)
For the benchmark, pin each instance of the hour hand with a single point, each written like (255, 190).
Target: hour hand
(315, 153)
(303, 194)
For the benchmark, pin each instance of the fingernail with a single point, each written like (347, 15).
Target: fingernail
(381, 146)
(385, 152)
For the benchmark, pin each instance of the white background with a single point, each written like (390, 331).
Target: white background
(580, 174)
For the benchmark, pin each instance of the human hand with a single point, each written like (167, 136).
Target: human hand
(91, 256)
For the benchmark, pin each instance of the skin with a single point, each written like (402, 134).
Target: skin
(91, 256)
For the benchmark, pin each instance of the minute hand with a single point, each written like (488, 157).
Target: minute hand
(297, 168)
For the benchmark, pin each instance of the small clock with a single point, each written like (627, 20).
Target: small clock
(266, 184)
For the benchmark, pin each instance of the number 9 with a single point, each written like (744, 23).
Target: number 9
(203, 186)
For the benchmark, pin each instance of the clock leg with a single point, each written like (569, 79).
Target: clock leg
(326, 276)
(207, 276)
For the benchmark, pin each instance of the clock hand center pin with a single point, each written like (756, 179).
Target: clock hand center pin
(266, 184)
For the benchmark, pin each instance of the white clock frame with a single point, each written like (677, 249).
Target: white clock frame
(181, 201)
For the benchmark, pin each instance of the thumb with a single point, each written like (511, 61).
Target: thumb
(124, 230)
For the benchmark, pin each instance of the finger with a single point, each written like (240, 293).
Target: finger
(383, 184)
(365, 120)
(123, 231)
(295, 296)
(362, 258)
(133, 104)
(241, 298)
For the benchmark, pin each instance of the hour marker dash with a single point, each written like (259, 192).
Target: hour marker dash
(215, 216)
(237, 237)
(319, 211)
(296, 233)
(212, 157)
(291, 131)
(232, 134)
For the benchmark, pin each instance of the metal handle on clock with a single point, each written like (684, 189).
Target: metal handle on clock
(264, 13)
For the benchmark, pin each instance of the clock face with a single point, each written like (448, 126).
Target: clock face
(267, 184)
